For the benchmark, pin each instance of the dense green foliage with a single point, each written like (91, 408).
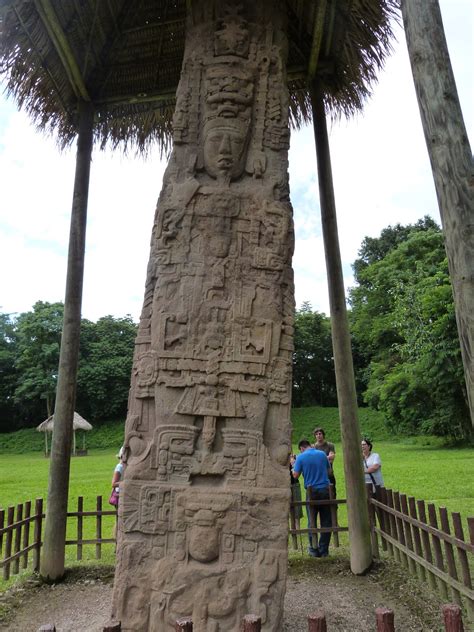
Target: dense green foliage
(313, 364)
(404, 323)
(29, 359)
(405, 347)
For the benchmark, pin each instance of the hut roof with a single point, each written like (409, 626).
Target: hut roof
(79, 423)
(125, 57)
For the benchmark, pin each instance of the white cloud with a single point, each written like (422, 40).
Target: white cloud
(381, 175)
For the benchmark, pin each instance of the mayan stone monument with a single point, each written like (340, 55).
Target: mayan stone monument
(204, 504)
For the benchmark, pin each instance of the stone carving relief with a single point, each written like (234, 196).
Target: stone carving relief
(203, 512)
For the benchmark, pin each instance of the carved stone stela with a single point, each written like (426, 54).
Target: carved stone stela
(203, 529)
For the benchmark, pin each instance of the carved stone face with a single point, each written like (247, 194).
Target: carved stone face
(225, 148)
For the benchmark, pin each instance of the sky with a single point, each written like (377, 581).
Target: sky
(381, 173)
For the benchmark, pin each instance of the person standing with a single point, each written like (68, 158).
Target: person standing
(314, 466)
(372, 465)
(329, 450)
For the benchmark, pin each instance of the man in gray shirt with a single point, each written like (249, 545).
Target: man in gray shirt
(329, 450)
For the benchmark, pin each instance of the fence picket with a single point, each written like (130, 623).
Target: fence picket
(384, 521)
(408, 534)
(294, 537)
(2, 524)
(426, 542)
(37, 533)
(8, 542)
(437, 548)
(462, 556)
(449, 552)
(393, 525)
(80, 526)
(17, 540)
(416, 538)
(400, 530)
(98, 528)
(334, 515)
(26, 533)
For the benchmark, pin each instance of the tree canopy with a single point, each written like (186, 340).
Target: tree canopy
(313, 363)
(29, 359)
(403, 321)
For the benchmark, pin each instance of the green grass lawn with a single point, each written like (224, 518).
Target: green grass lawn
(418, 467)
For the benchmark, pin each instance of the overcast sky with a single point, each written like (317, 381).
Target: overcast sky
(381, 176)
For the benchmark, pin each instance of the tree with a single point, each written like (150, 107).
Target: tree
(105, 366)
(38, 338)
(313, 364)
(8, 373)
(403, 318)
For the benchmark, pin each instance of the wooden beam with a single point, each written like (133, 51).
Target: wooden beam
(161, 95)
(53, 553)
(451, 161)
(357, 510)
(61, 44)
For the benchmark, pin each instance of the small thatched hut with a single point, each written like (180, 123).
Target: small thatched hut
(79, 423)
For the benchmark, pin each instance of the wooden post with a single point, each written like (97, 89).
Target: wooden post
(52, 559)
(98, 528)
(80, 526)
(385, 620)
(317, 622)
(451, 160)
(37, 533)
(8, 542)
(452, 618)
(373, 536)
(251, 623)
(26, 533)
(357, 513)
(17, 544)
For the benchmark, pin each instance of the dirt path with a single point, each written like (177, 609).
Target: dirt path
(82, 602)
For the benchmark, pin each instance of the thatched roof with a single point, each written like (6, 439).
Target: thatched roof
(126, 57)
(79, 423)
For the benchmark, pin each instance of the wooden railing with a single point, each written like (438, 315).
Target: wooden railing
(335, 528)
(410, 531)
(21, 531)
(415, 534)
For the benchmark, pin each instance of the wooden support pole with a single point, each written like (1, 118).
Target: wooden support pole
(317, 622)
(52, 560)
(357, 512)
(451, 160)
(452, 618)
(385, 620)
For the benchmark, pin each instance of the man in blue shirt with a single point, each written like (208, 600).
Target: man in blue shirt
(314, 466)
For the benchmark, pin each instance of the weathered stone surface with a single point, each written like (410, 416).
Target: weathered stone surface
(203, 511)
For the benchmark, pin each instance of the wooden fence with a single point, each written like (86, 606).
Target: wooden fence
(384, 622)
(21, 532)
(424, 539)
(419, 536)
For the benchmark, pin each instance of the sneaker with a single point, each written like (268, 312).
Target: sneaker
(314, 552)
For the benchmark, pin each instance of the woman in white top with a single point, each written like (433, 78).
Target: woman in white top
(372, 465)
